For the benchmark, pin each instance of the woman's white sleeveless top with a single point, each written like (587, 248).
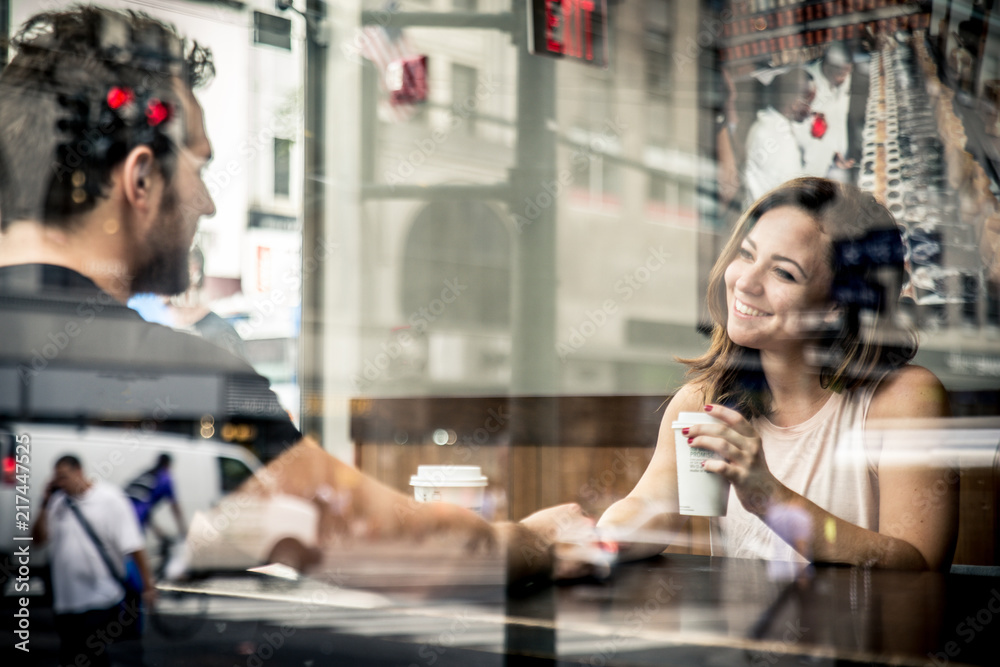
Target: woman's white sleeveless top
(826, 459)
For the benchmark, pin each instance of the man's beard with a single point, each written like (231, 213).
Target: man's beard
(166, 271)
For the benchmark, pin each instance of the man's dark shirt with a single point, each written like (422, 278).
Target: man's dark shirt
(70, 353)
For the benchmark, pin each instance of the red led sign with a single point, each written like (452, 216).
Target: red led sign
(574, 29)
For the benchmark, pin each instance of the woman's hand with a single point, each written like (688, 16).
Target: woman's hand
(741, 458)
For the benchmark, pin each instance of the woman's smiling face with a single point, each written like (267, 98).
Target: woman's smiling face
(781, 271)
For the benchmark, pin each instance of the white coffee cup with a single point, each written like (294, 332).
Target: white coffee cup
(459, 485)
(699, 492)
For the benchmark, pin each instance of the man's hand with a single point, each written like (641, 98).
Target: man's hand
(576, 546)
(150, 596)
(149, 592)
(842, 163)
(50, 488)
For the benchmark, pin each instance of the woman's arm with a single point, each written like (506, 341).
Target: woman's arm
(907, 538)
(646, 520)
(918, 499)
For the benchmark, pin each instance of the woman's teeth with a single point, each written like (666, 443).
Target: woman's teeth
(747, 310)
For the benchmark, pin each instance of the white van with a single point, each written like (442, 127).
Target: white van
(241, 533)
(203, 471)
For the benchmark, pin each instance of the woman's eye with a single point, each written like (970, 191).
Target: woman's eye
(785, 275)
(745, 254)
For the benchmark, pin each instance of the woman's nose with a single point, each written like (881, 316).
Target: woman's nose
(749, 280)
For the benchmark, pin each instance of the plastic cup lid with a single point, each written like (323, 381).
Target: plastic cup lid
(688, 418)
(448, 476)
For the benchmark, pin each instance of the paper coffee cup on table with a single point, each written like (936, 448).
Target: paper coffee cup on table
(459, 485)
(699, 492)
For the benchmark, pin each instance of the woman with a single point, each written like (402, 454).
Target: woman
(805, 351)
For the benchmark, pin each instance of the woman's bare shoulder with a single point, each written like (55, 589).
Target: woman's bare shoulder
(689, 398)
(910, 391)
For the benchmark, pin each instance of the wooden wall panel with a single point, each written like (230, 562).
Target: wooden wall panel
(978, 517)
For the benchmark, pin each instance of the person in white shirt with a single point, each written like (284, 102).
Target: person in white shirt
(86, 595)
(825, 138)
(774, 151)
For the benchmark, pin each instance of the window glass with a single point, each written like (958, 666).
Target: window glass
(282, 167)
(417, 212)
(232, 473)
(448, 153)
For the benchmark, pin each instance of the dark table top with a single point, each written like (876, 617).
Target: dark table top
(670, 610)
(698, 610)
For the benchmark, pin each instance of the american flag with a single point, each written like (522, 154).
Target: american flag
(401, 68)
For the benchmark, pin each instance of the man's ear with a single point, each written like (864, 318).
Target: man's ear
(137, 173)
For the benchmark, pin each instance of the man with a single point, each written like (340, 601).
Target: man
(86, 594)
(102, 145)
(150, 488)
(774, 153)
(826, 139)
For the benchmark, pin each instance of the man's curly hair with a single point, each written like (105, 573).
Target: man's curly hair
(59, 139)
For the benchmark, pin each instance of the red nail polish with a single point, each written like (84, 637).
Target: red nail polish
(685, 430)
(708, 408)
(702, 464)
(690, 440)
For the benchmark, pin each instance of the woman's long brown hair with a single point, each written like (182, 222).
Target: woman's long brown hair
(866, 256)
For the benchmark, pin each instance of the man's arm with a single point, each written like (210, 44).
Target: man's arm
(149, 593)
(40, 529)
(179, 517)
(308, 472)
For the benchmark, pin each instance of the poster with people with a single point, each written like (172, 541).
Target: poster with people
(897, 98)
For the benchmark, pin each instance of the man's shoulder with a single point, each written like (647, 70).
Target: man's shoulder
(56, 314)
(102, 360)
(58, 500)
(164, 480)
(769, 121)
